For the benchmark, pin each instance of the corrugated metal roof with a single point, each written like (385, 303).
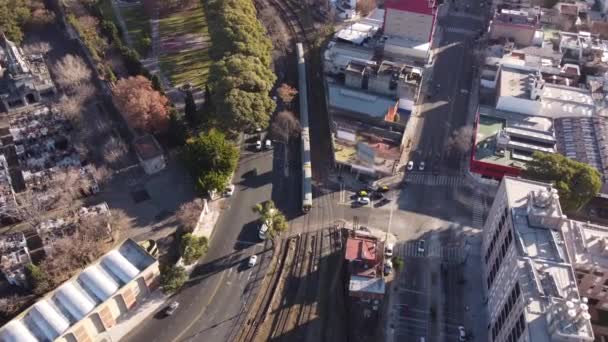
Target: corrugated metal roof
(50, 322)
(16, 331)
(120, 266)
(74, 300)
(98, 282)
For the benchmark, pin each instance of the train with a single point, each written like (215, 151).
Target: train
(305, 134)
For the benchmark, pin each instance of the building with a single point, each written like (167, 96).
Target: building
(529, 280)
(24, 79)
(14, 256)
(590, 254)
(364, 255)
(517, 25)
(91, 302)
(150, 154)
(412, 19)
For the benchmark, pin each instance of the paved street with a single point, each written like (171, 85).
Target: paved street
(219, 289)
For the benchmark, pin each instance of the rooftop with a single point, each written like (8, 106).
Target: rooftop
(515, 17)
(590, 244)
(361, 249)
(359, 102)
(366, 284)
(61, 309)
(357, 33)
(147, 147)
(415, 6)
(545, 272)
(509, 139)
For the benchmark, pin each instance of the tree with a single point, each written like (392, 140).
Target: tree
(285, 125)
(398, 262)
(188, 213)
(177, 133)
(14, 14)
(190, 109)
(286, 93)
(211, 158)
(10, 306)
(272, 217)
(71, 72)
(172, 277)
(364, 7)
(460, 141)
(144, 108)
(37, 279)
(192, 248)
(576, 182)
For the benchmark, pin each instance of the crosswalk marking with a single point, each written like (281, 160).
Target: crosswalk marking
(478, 209)
(453, 254)
(434, 180)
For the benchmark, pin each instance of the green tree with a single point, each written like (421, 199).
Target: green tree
(576, 182)
(38, 280)
(272, 217)
(190, 110)
(177, 131)
(398, 263)
(244, 109)
(210, 153)
(14, 14)
(172, 278)
(192, 248)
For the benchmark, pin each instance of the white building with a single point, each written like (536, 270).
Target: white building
(530, 284)
(150, 154)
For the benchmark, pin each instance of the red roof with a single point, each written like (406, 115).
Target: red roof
(415, 6)
(361, 249)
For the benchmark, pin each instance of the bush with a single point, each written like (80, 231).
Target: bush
(398, 263)
(177, 131)
(38, 280)
(146, 44)
(172, 278)
(192, 248)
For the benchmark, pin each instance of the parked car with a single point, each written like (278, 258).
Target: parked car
(388, 250)
(421, 244)
(363, 200)
(383, 201)
(258, 145)
(171, 308)
(229, 190)
(462, 334)
(362, 193)
(268, 144)
(421, 166)
(382, 188)
(252, 260)
(410, 165)
(262, 232)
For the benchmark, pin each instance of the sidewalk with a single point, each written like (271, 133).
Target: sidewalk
(152, 303)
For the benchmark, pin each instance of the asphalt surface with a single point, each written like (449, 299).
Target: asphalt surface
(444, 108)
(214, 301)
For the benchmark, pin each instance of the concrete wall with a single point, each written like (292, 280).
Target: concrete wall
(408, 24)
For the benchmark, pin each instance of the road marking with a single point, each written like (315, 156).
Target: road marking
(202, 312)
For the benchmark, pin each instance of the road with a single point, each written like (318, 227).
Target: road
(221, 286)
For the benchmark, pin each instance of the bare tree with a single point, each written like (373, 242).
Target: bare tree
(38, 47)
(364, 7)
(11, 305)
(286, 93)
(114, 150)
(460, 141)
(144, 108)
(71, 71)
(285, 125)
(73, 106)
(188, 214)
(120, 222)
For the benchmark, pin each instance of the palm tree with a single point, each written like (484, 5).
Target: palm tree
(272, 217)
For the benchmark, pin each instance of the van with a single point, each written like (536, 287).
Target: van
(262, 232)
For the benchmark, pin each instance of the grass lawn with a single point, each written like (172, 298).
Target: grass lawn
(184, 43)
(138, 27)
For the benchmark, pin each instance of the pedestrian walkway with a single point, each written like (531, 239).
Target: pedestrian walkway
(450, 255)
(151, 304)
(434, 180)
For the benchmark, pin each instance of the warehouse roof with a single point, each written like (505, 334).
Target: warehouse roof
(52, 315)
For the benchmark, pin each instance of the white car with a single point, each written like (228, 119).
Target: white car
(410, 165)
(171, 308)
(462, 334)
(421, 166)
(258, 145)
(388, 250)
(268, 144)
(421, 246)
(363, 200)
(229, 190)
(252, 260)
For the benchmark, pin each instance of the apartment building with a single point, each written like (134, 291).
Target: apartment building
(530, 284)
